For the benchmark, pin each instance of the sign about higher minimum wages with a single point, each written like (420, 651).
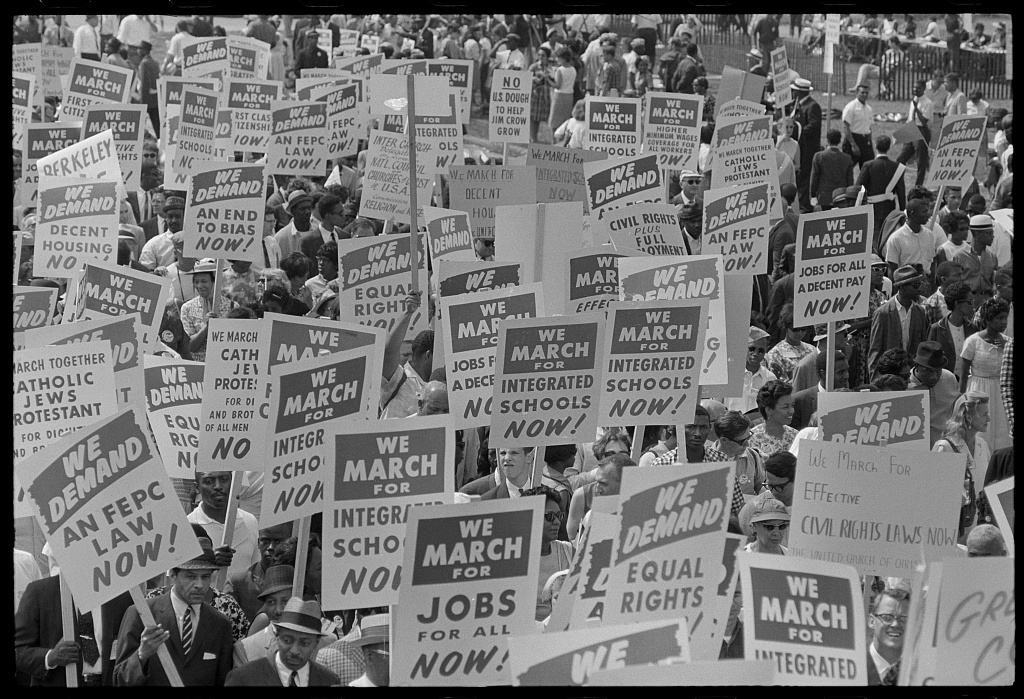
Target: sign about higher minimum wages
(672, 129)
(833, 276)
(469, 581)
(546, 384)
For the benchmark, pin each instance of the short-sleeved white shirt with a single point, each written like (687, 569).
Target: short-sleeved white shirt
(859, 117)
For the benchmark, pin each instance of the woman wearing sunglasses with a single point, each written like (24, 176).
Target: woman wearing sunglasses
(555, 555)
(769, 522)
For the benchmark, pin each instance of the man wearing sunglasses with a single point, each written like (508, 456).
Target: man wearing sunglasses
(888, 626)
(780, 474)
(755, 373)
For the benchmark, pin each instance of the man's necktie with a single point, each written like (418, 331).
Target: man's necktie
(292, 681)
(890, 677)
(87, 639)
(186, 631)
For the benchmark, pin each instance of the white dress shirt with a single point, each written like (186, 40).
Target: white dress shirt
(301, 679)
(859, 116)
(179, 606)
(134, 30)
(881, 664)
(87, 40)
(752, 383)
(904, 322)
(923, 105)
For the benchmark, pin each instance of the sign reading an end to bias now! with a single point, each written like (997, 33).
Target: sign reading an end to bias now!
(833, 276)
(224, 216)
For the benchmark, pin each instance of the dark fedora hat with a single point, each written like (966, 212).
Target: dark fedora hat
(929, 354)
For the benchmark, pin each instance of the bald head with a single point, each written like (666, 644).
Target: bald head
(434, 400)
(985, 540)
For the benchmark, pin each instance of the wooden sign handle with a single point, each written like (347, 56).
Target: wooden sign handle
(221, 576)
(300, 530)
(162, 654)
(414, 248)
(67, 622)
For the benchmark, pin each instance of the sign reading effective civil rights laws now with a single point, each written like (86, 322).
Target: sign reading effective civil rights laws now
(833, 275)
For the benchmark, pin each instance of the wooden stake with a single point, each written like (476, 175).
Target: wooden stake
(67, 622)
(300, 530)
(830, 366)
(221, 576)
(935, 209)
(414, 248)
(162, 654)
(218, 284)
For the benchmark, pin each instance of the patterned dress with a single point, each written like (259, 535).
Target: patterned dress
(767, 444)
(782, 359)
(540, 100)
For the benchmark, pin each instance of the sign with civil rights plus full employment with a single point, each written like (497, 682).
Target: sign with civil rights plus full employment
(672, 129)
(887, 418)
(379, 471)
(469, 581)
(546, 379)
(736, 223)
(613, 126)
(832, 280)
(107, 508)
(652, 229)
(956, 154)
(806, 616)
(224, 211)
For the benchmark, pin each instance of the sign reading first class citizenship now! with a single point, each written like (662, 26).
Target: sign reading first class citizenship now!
(91, 82)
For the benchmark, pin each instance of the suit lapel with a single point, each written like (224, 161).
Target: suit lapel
(167, 617)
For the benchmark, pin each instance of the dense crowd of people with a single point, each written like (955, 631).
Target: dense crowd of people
(940, 320)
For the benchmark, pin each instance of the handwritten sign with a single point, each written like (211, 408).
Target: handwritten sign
(386, 183)
(478, 189)
(560, 172)
(833, 275)
(672, 129)
(174, 398)
(613, 126)
(736, 223)
(781, 77)
(876, 419)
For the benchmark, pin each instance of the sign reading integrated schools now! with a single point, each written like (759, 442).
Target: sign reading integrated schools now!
(959, 142)
(128, 124)
(833, 275)
(545, 382)
(667, 554)
(570, 658)
(469, 581)
(470, 324)
(613, 126)
(107, 508)
(877, 509)
(806, 616)
(672, 129)
(380, 470)
(33, 308)
(251, 120)
(615, 182)
(224, 213)
(298, 141)
(652, 361)
(593, 278)
(197, 128)
(888, 418)
(675, 277)
(91, 82)
(977, 623)
(744, 153)
(308, 397)
(736, 223)
(78, 223)
(174, 399)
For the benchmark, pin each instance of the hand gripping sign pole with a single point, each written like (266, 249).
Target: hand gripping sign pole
(414, 248)
(229, 526)
(146, 615)
(67, 620)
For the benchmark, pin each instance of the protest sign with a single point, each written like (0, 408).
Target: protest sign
(888, 418)
(667, 552)
(197, 128)
(344, 117)
(541, 237)
(459, 72)
(781, 77)
(224, 211)
(107, 508)
(738, 84)
(650, 228)
(616, 182)
(744, 153)
(832, 279)
(918, 665)
(125, 336)
(247, 58)
(295, 338)
(236, 404)
(456, 277)
(570, 658)
(441, 137)
(672, 129)
(40, 141)
(168, 94)
(736, 223)
(740, 108)
(324, 77)
(678, 277)
(564, 596)
(707, 673)
(112, 290)
(55, 63)
(363, 66)
(560, 172)
(469, 581)
(876, 509)
(449, 236)
(545, 391)
(91, 82)
(176, 180)
(348, 42)
(386, 183)
(592, 585)
(593, 278)
(174, 398)
(470, 324)
(806, 616)
(976, 623)
(27, 59)
(298, 144)
(388, 92)
(477, 189)
(509, 115)
(652, 359)
(78, 222)
(308, 397)
(250, 104)
(33, 308)
(94, 158)
(370, 42)
(956, 153)
(1000, 501)
(204, 57)
(23, 88)
(379, 470)
(706, 643)
(613, 126)
(128, 124)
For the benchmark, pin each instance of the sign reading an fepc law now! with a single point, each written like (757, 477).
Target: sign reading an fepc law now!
(957, 152)
(736, 223)
(833, 276)
(469, 581)
(298, 144)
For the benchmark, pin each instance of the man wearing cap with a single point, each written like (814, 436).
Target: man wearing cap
(857, 117)
(888, 627)
(300, 206)
(900, 321)
(755, 373)
(511, 58)
(930, 373)
(978, 262)
(275, 593)
(808, 114)
(159, 250)
(805, 402)
(374, 641)
(766, 32)
(689, 209)
(311, 56)
(913, 243)
(755, 63)
(248, 586)
(87, 39)
(199, 636)
(805, 374)
(298, 636)
(127, 244)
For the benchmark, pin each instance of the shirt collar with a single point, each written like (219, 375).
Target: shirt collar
(286, 674)
(881, 664)
(325, 234)
(179, 605)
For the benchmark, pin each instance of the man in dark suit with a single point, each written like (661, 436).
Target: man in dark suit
(311, 56)
(155, 225)
(198, 637)
(888, 628)
(884, 188)
(808, 115)
(805, 402)
(831, 169)
(40, 649)
(515, 464)
(960, 301)
(900, 321)
(298, 638)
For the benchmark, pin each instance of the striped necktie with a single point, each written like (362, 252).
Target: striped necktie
(186, 631)
(292, 682)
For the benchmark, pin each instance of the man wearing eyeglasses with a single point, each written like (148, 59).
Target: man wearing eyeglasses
(755, 373)
(247, 586)
(888, 625)
(780, 474)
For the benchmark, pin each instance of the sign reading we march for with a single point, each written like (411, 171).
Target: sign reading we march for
(833, 277)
